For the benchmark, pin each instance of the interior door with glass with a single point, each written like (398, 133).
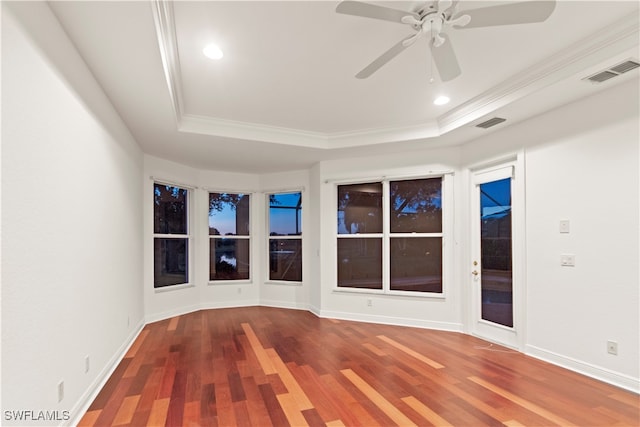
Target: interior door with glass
(492, 273)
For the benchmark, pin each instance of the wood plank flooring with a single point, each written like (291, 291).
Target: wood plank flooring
(260, 366)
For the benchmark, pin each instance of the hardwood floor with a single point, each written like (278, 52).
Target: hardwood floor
(260, 366)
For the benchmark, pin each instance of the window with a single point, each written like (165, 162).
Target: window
(415, 245)
(285, 237)
(360, 235)
(229, 238)
(170, 235)
(390, 236)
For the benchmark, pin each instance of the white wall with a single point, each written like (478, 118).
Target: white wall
(581, 165)
(71, 221)
(314, 238)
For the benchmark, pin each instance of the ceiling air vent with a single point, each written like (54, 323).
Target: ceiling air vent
(491, 122)
(625, 66)
(614, 71)
(602, 76)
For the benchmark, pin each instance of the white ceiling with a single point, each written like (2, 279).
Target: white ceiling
(284, 96)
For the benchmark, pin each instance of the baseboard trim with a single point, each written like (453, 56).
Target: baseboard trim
(157, 317)
(85, 401)
(315, 310)
(610, 377)
(230, 304)
(396, 321)
(284, 304)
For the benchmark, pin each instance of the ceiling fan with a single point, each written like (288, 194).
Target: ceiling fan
(432, 21)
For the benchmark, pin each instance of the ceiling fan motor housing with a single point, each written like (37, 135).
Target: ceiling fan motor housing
(433, 19)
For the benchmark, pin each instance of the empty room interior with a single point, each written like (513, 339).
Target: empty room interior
(320, 213)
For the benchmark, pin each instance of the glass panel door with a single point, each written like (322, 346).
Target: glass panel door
(496, 275)
(496, 278)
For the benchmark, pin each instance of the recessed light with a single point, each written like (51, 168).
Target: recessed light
(441, 100)
(212, 51)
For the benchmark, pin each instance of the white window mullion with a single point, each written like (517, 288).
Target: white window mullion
(416, 234)
(386, 240)
(172, 236)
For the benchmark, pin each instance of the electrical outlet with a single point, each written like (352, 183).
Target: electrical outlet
(612, 347)
(568, 260)
(369, 303)
(87, 364)
(60, 391)
(239, 290)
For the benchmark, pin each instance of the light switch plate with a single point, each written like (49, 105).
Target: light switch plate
(567, 260)
(565, 226)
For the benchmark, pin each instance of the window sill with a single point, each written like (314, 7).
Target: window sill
(282, 282)
(173, 288)
(230, 282)
(379, 292)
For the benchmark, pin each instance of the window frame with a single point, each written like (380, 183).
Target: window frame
(446, 234)
(187, 236)
(374, 236)
(238, 237)
(269, 238)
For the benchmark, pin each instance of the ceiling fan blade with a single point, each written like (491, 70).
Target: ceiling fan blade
(384, 58)
(412, 39)
(455, 7)
(367, 10)
(444, 5)
(526, 12)
(410, 20)
(445, 59)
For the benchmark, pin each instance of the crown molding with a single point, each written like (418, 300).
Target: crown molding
(163, 18)
(205, 125)
(613, 39)
(362, 137)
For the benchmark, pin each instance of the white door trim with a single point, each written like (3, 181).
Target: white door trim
(514, 168)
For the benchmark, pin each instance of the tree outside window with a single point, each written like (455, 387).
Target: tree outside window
(229, 236)
(171, 235)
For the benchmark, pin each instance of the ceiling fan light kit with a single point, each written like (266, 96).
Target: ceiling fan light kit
(435, 19)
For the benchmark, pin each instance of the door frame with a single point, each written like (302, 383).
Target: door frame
(511, 337)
